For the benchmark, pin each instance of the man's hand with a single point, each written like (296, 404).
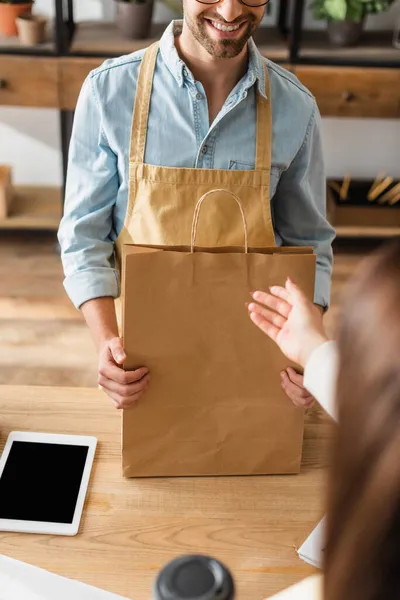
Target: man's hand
(292, 383)
(123, 387)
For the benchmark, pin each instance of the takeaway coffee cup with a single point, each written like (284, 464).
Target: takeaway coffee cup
(194, 577)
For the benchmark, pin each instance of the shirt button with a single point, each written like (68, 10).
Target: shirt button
(185, 72)
(199, 96)
(204, 149)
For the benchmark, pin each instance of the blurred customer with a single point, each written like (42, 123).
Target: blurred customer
(359, 380)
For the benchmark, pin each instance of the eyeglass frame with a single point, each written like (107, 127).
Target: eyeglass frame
(241, 2)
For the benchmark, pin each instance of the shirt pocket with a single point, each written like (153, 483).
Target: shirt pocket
(237, 165)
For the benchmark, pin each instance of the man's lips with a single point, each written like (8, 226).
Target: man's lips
(223, 29)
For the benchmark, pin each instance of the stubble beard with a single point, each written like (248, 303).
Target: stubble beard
(223, 48)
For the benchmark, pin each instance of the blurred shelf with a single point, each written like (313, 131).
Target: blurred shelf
(12, 45)
(358, 217)
(29, 81)
(96, 38)
(34, 208)
(272, 44)
(352, 231)
(374, 48)
(353, 91)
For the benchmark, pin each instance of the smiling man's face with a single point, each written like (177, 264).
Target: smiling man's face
(222, 29)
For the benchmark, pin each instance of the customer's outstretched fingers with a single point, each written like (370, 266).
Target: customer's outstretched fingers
(266, 326)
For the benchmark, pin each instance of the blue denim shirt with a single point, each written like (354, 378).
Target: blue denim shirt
(180, 135)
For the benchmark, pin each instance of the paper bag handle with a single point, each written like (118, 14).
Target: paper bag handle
(196, 215)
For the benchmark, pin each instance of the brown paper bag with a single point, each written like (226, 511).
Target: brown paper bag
(215, 405)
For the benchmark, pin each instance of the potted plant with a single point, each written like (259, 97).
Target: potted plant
(346, 17)
(31, 29)
(9, 11)
(133, 18)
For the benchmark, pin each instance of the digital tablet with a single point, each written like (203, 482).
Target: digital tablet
(43, 482)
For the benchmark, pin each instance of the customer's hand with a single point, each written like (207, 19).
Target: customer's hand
(123, 387)
(290, 320)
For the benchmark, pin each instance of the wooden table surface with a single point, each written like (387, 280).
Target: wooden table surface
(131, 528)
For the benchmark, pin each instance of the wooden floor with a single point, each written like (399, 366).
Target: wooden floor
(44, 340)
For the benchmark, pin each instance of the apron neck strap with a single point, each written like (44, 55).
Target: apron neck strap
(142, 104)
(264, 128)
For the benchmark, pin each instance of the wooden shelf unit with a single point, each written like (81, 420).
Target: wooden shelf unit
(352, 231)
(34, 208)
(374, 47)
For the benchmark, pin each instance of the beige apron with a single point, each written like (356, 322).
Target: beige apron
(162, 200)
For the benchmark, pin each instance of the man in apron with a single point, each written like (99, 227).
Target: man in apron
(154, 131)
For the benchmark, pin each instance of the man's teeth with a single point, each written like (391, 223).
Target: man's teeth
(225, 27)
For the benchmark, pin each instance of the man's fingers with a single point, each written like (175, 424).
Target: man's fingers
(289, 392)
(295, 377)
(298, 402)
(111, 371)
(269, 315)
(132, 400)
(293, 398)
(277, 300)
(124, 390)
(299, 396)
(295, 388)
(266, 327)
(117, 350)
(121, 403)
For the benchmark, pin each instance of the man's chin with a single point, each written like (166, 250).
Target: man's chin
(225, 48)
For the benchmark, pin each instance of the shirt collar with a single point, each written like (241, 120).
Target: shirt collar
(255, 71)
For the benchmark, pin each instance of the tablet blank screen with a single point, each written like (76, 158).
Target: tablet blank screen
(40, 482)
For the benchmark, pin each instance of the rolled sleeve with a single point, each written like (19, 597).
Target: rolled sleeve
(85, 232)
(299, 207)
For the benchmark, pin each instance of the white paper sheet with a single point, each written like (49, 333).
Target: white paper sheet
(20, 581)
(312, 551)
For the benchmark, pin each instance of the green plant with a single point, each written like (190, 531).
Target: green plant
(353, 10)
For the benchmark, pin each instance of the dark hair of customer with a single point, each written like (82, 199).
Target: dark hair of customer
(362, 556)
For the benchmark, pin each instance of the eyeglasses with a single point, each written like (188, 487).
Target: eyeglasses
(252, 4)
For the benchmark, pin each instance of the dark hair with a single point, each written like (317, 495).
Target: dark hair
(362, 557)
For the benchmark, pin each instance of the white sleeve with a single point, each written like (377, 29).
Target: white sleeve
(308, 589)
(320, 376)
